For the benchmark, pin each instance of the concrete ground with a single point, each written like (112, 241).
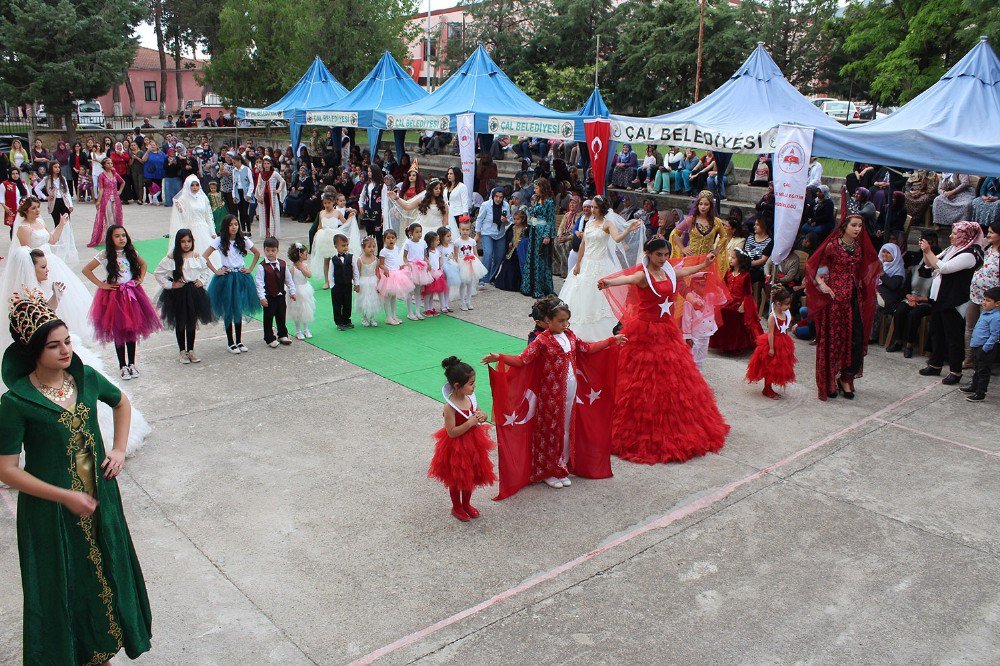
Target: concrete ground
(282, 515)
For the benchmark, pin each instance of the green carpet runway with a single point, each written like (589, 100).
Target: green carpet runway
(409, 354)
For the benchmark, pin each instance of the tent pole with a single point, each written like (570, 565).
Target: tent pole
(701, 41)
(597, 59)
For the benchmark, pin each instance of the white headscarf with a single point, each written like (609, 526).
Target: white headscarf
(894, 267)
(193, 211)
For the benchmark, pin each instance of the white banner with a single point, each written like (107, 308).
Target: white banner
(414, 122)
(791, 173)
(527, 126)
(261, 114)
(332, 118)
(689, 135)
(467, 148)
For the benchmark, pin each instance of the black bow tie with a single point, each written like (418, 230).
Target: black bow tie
(341, 255)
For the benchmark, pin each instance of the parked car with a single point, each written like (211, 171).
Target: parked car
(86, 114)
(820, 101)
(842, 111)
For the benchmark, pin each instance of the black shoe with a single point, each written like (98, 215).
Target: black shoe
(832, 395)
(968, 388)
(930, 371)
(951, 379)
(341, 328)
(908, 352)
(976, 397)
(350, 326)
(894, 347)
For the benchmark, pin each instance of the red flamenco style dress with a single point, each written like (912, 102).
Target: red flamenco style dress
(777, 370)
(843, 322)
(664, 410)
(463, 462)
(738, 331)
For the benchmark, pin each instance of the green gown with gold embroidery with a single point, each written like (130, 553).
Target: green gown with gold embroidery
(84, 594)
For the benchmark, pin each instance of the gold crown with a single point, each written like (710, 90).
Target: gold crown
(28, 313)
(706, 194)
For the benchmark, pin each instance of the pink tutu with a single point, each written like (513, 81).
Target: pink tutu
(419, 274)
(439, 285)
(124, 314)
(395, 283)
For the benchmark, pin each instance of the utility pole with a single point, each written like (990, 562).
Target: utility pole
(701, 41)
(427, 58)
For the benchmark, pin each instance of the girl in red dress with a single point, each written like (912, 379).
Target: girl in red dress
(462, 448)
(840, 289)
(740, 326)
(554, 439)
(774, 359)
(664, 409)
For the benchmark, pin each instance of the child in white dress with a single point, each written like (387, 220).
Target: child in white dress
(302, 310)
(449, 264)
(366, 283)
(393, 281)
(470, 268)
(415, 261)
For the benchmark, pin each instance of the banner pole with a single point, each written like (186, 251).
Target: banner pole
(597, 59)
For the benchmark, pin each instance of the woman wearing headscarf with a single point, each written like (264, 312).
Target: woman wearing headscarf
(107, 201)
(950, 292)
(821, 217)
(986, 207)
(860, 204)
(919, 192)
(491, 231)
(954, 197)
(892, 278)
(624, 167)
(12, 190)
(270, 193)
(840, 287)
(193, 210)
(986, 277)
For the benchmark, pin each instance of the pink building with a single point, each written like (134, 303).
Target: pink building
(145, 77)
(446, 26)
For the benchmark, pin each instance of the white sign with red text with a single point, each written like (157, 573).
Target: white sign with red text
(791, 173)
(465, 123)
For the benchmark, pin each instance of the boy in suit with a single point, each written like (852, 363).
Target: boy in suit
(341, 283)
(274, 280)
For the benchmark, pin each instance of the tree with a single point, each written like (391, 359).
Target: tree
(156, 6)
(500, 25)
(266, 45)
(653, 70)
(57, 51)
(565, 89)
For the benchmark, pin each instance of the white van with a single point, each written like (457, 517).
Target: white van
(85, 113)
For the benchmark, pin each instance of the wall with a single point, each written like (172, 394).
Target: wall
(262, 136)
(191, 90)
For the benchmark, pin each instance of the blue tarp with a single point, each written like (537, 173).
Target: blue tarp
(742, 116)
(480, 87)
(952, 126)
(317, 87)
(594, 106)
(386, 86)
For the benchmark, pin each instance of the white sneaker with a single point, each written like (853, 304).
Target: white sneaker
(243, 348)
(234, 349)
(411, 317)
(126, 375)
(184, 358)
(553, 482)
(308, 333)
(133, 370)
(300, 335)
(566, 482)
(470, 307)
(420, 316)
(273, 343)
(374, 323)
(464, 306)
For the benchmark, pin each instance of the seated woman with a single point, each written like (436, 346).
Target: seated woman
(649, 217)
(302, 189)
(862, 175)
(765, 205)
(760, 172)
(891, 281)
(919, 192)
(758, 246)
(624, 167)
(986, 207)
(681, 177)
(954, 198)
(699, 175)
(820, 220)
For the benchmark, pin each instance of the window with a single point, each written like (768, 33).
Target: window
(455, 30)
(150, 88)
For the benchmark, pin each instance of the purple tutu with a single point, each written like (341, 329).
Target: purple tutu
(123, 315)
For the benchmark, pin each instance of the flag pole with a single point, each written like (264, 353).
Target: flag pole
(701, 41)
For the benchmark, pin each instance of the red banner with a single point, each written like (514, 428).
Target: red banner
(598, 144)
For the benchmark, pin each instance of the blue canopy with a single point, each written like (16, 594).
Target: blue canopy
(481, 88)
(742, 116)
(594, 106)
(316, 88)
(951, 126)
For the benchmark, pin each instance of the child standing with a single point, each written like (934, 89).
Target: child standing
(84, 184)
(301, 309)
(698, 319)
(449, 264)
(341, 280)
(740, 326)
(121, 312)
(439, 286)
(984, 345)
(183, 301)
(393, 281)
(232, 292)
(274, 282)
(218, 205)
(415, 260)
(774, 359)
(366, 266)
(469, 266)
(461, 451)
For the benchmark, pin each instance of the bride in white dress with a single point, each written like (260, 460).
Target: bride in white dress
(192, 210)
(610, 244)
(52, 275)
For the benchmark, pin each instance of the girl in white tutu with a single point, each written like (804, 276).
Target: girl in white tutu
(470, 268)
(415, 261)
(301, 310)
(335, 218)
(609, 245)
(192, 210)
(366, 266)
(393, 281)
(449, 264)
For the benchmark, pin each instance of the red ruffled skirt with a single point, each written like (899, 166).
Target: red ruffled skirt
(778, 370)
(463, 462)
(124, 314)
(664, 410)
(439, 285)
(735, 334)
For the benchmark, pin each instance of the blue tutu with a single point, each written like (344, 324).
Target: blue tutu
(234, 297)
(451, 273)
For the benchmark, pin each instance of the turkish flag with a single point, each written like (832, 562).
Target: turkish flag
(515, 402)
(598, 132)
(596, 376)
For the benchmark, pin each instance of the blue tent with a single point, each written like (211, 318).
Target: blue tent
(951, 126)
(316, 88)
(386, 86)
(742, 116)
(594, 106)
(481, 88)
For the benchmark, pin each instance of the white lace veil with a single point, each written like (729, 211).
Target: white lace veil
(629, 251)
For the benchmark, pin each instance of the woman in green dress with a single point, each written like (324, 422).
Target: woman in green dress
(84, 595)
(536, 275)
